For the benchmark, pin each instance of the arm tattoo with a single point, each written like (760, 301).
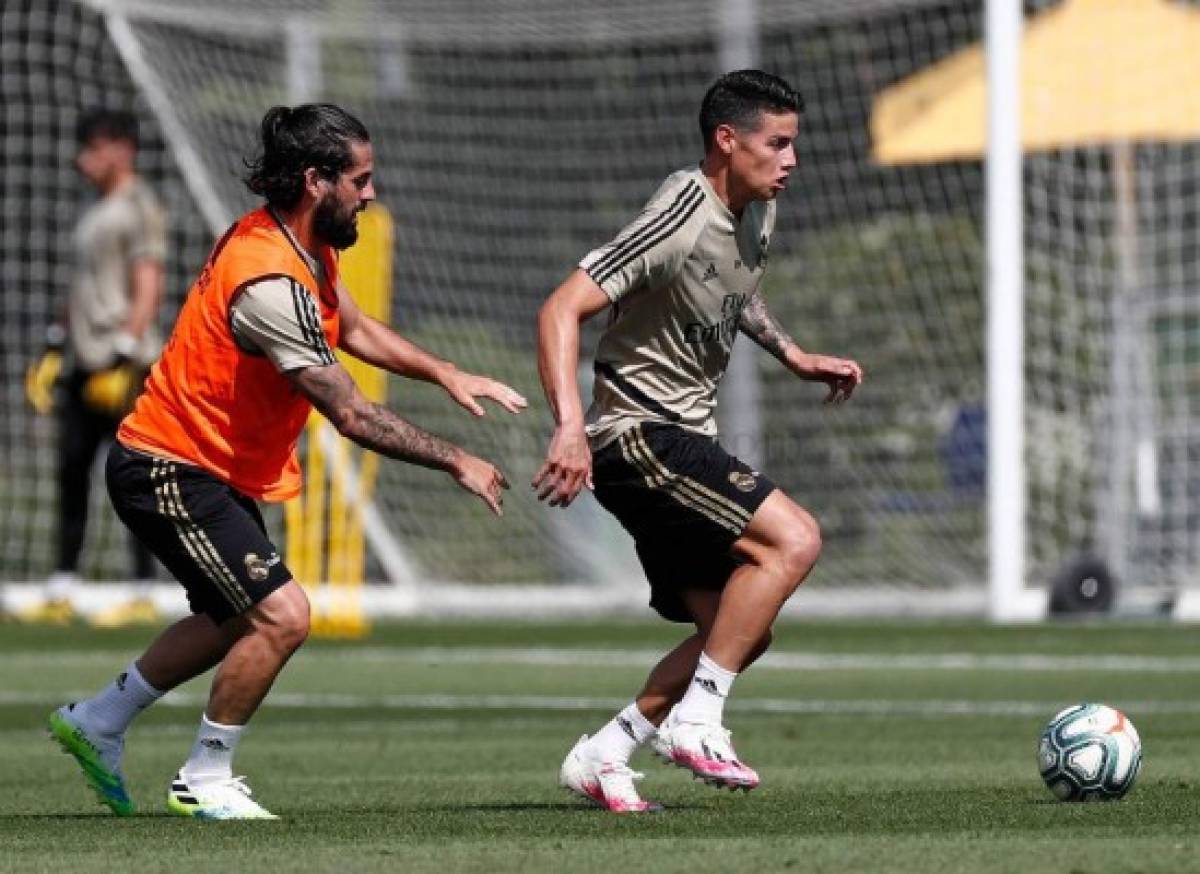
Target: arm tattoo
(337, 398)
(760, 326)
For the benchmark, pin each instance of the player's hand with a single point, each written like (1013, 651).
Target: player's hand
(481, 478)
(567, 469)
(466, 387)
(841, 375)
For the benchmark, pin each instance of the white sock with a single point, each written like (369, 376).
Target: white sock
(623, 734)
(212, 753)
(704, 700)
(111, 711)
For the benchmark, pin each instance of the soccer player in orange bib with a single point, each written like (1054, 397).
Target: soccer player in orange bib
(216, 431)
(722, 547)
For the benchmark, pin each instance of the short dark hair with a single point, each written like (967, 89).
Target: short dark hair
(109, 124)
(740, 98)
(292, 139)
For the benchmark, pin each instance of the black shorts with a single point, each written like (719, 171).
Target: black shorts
(209, 535)
(685, 500)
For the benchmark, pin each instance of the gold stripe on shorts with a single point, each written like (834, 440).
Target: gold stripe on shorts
(194, 538)
(683, 489)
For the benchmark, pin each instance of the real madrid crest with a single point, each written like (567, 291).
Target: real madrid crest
(256, 568)
(743, 482)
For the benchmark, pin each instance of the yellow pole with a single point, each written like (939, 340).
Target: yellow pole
(331, 557)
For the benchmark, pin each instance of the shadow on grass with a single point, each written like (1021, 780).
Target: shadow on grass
(90, 817)
(508, 807)
(531, 807)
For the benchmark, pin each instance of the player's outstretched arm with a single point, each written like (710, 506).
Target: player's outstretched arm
(841, 375)
(333, 392)
(374, 342)
(568, 465)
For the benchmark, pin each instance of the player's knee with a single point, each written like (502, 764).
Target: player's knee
(799, 547)
(296, 626)
(285, 619)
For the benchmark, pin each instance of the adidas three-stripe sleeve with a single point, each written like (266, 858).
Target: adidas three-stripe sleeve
(652, 248)
(278, 318)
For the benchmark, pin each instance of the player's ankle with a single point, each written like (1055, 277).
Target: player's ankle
(621, 736)
(204, 777)
(211, 758)
(704, 700)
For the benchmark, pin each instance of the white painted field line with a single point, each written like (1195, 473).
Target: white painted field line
(849, 707)
(645, 658)
(787, 661)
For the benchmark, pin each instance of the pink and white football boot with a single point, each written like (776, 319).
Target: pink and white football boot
(608, 784)
(704, 748)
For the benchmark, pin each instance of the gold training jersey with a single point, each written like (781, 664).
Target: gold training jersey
(678, 276)
(127, 225)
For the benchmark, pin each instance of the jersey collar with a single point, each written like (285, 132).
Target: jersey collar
(726, 220)
(322, 278)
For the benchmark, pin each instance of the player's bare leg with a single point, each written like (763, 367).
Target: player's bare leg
(185, 650)
(612, 746)
(597, 767)
(670, 678)
(271, 631)
(266, 637)
(93, 730)
(780, 546)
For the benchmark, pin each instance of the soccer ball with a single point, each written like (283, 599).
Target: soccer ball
(1089, 752)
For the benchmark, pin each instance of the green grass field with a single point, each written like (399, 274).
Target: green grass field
(899, 748)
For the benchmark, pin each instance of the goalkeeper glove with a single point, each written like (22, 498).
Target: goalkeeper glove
(112, 391)
(40, 380)
(43, 374)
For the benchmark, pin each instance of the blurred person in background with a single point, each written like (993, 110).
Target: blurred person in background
(98, 357)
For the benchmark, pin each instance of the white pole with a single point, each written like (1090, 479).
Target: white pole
(191, 167)
(740, 403)
(1005, 316)
(303, 60)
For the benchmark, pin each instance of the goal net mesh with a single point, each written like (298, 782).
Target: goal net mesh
(511, 137)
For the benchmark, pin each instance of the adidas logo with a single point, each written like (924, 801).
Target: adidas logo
(627, 727)
(710, 272)
(709, 686)
(214, 743)
(121, 681)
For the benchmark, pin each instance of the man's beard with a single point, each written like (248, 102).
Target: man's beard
(338, 230)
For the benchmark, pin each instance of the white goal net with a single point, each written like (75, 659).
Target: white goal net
(513, 136)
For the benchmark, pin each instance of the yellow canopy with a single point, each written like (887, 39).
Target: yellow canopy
(1092, 71)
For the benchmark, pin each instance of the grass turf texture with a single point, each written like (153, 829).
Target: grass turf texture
(916, 775)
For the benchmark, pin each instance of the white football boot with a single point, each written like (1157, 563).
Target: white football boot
(704, 749)
(608, 784)
(225, 798)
